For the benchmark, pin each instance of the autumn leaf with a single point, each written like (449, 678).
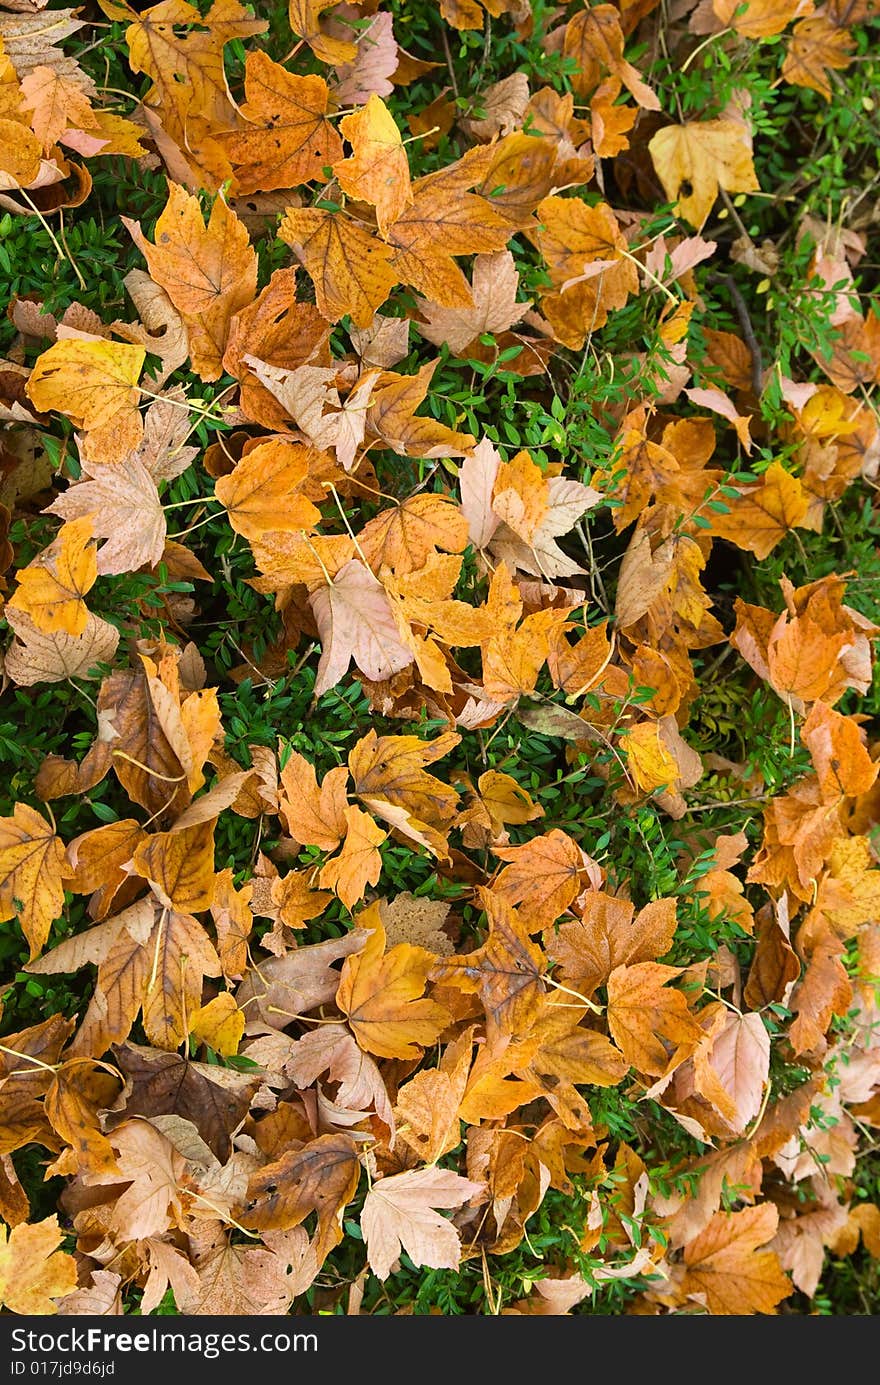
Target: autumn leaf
(288, 139)
(839, 755)
(350, 268)
(219, 1024)
(232, 1278)
(52, 589)
(153, 1170)
(209, 272)
(181, 956)
(355, 622)
(20, 158)
(57, 102)
(498, 800)
(313, 815)
(763, 512)
(649, 759)
(182, 53)
(824, 990)
(95, 383)
(381, 995)
(180, 866)
(694, 161)
(34, 1273)
(542, 877)
(233, 922)
(359, 862)
(775, 964)
(264, 490)
(560, 1054)
(400, 1213)
(726, 1269)
(305, 20)
(321, 1177)
(404, 537)
(594, 41)
(377, 171)
(280, 988)
(122, 503)
(739, 1059)
(647, 1020)
(506, 972)
(33, 869)
(572, 238)
(428, 1105)
(331, 1049)
(494, 287)
(213, 1097)
(39, 656)
(391, 417)
(816, 47)
(608, 934)
(444, 219)
(389, 775)
(79, 1091)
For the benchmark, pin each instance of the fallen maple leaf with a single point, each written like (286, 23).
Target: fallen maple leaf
(321, 1177)
(594, 41)
(233, 1279)
(264, 491)
(304, 17)
(428, 1105)
(694, 160)
(33, 869)
(648, 1022)
(39, 656)
(726, 1269)
(34, 1273)
(399, 1214)
(313, 816)
(122, 503)
(331, 1049)
(95, 383)
(506, 972)
(543, 877)
(359, 862)
(214, 1098)
(405, 537)
(180, 867)
(51, 589)
(763, 512)
(609, 934)
(817, 45)
(280, 988)
(152, 1171)
(494, 286)
(381, 993)
(391, 417)
(219, 1024)
(288, 139)
(445, 218)
(377, 171)
(839, 754)
(739, 1057)
(209, 272)
(355, 622)
(349, 266)
(57, 102)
